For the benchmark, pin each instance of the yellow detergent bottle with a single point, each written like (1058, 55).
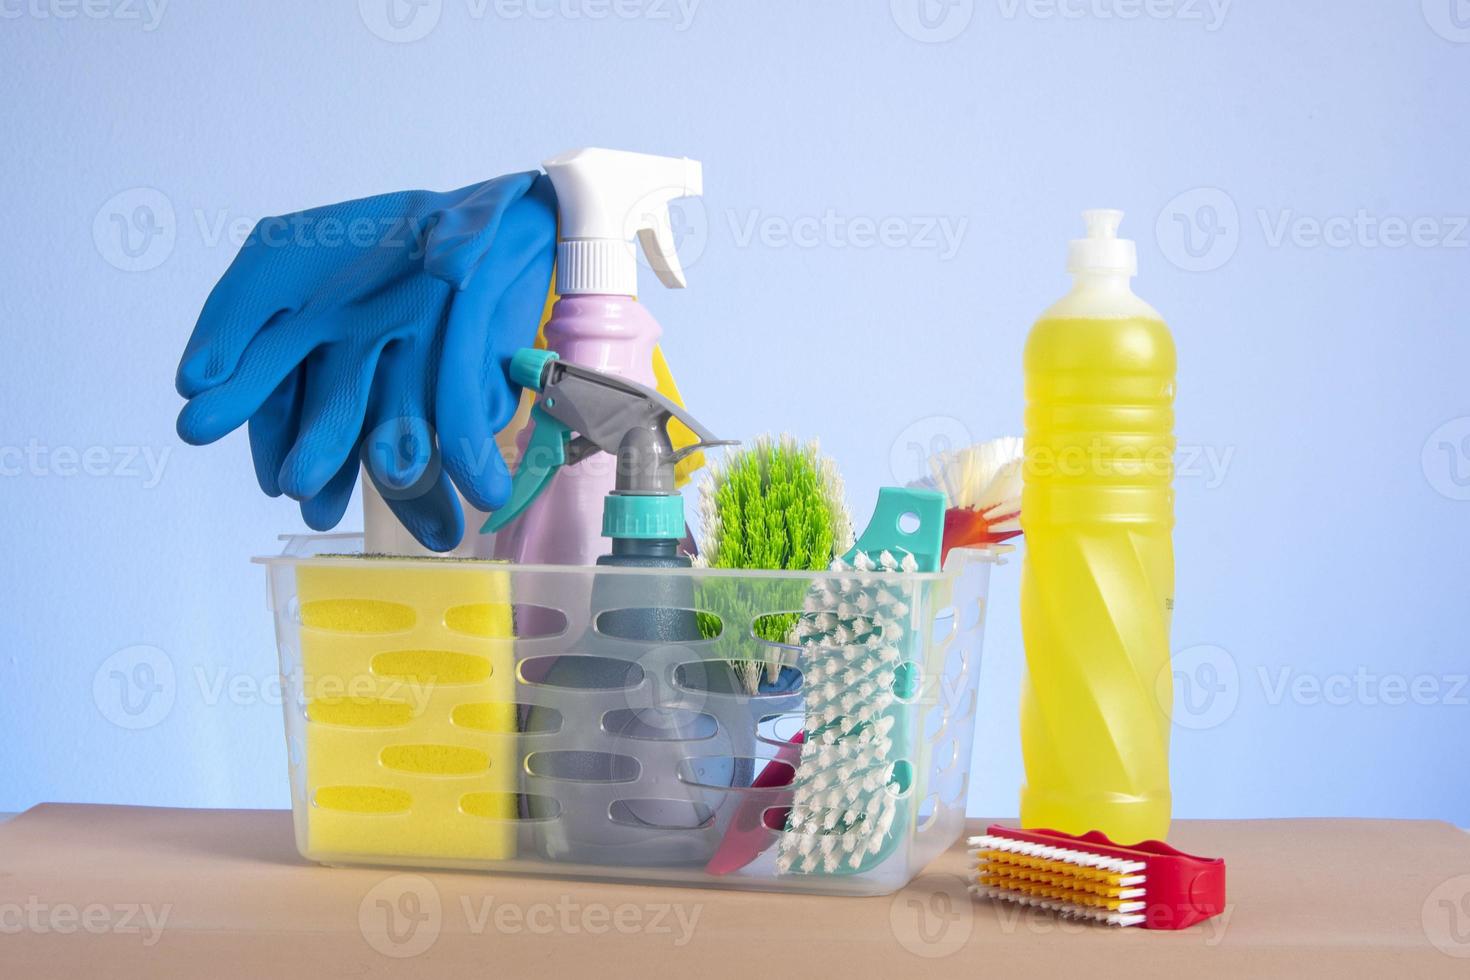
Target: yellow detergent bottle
(1097, 589)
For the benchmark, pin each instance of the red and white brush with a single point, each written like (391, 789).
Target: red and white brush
(983, 486)
(1089, 877)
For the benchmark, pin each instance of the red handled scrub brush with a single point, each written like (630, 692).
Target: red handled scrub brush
(983, 486)
(1089, 877)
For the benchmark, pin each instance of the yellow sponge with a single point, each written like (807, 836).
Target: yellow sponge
(408, 674)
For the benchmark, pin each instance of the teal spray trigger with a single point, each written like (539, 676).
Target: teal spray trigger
(581, 412)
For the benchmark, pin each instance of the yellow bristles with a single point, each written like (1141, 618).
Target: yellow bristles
(1059, 879)
(1045, 865)
(1059, 893)
(1070, 882)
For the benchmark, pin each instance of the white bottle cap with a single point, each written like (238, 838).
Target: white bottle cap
(606, 199)
(1102, 251)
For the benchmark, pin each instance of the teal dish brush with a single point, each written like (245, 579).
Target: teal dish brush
(859, 639)
(778, 504)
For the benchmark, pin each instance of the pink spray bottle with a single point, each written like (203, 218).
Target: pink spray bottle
(606, 200)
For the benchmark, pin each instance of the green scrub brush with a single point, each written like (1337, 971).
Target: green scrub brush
(778, 504)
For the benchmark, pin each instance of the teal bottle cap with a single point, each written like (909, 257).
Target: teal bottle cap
(528, 366)
(643, 516)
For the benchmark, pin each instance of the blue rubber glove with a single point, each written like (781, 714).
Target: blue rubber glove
(377, 329)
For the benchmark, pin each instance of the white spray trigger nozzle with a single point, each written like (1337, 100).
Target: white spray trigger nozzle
(607, 200)
(656, 234)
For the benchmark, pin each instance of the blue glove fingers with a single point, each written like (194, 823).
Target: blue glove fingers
(338, 382)
(463, 234)
(323, 511)
(324, 256)
(260, 284)
(429, 509)
(496, 313)
(273, 430)
(266, 363)
(464, 403)
(513, 326)
(400, 438)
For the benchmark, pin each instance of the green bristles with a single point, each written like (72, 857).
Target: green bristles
(777, 505)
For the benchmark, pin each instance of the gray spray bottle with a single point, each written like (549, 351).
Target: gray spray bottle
(643, 784)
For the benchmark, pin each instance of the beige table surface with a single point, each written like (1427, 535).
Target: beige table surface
(100, 891)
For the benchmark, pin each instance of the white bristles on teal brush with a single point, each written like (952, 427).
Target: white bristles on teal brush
(855, 629)
(843, 814)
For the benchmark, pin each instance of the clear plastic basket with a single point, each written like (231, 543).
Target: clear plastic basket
(427, 726)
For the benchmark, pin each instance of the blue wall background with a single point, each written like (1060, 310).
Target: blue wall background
(1294, 174)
